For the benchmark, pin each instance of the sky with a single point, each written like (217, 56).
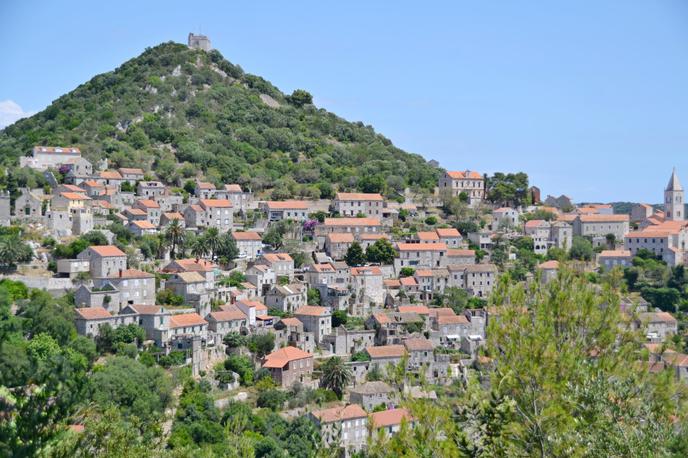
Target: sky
(589, 97)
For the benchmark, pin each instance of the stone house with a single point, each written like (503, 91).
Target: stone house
(372, 394)
(204, 190)
(32, 204)
(367, 285)
(549, 270)
(134, 286)
(317, 320)
(420, 255)
(240, 200)
(46, 157)
(281, 263)
(250, 244)
(450, 237)
(217, 213)
(468, 182)
(390, 421)
(141, 228)
(150, 189)
(185, 326)
(383, 355)
(224, 322)
(287, 298)
(599, 226)
(192, 287)
(288, 209)
(289, 365)
(346, 342)
(659, 326)
(612, 258)
(262, 276)
(104, 261)
(290, 332)
(358, 203)
(152, 210)
(343, 427)
(336, 245)
(505, 217)
(131, 175)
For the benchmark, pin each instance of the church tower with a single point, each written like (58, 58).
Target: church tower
(674, 205)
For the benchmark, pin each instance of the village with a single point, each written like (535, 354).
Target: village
(376, 285)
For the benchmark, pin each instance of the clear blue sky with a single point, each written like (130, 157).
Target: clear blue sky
(590, 98)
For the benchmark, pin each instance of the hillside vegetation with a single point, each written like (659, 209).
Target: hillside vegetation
(182, 112)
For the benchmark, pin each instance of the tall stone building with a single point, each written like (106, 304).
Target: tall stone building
(199, 42)
(674, 204)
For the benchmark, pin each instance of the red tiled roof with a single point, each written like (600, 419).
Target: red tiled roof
(228, 315)
(340, 413)
(465, 174)
(74, 196)
(452, 319)
(93, 313)
(148, 203)
(344, 222)
(419, 309)
(186, 319)
(418, 344)
(427, 235)
(367, 270)
(422, 246)
(133, 273)
(604, 218)
(277, 257)
(248, 235)
(281, 357)
(549, 265)
(287, 205)
(311, 310)
(345, 237)
(386, 351)
(389, 417)
(216, 203)
(448, 232)
(107, 250)
(358, 196)
(459, 253)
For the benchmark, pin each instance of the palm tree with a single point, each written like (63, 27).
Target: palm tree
(175, 235)
(336, 375)
(199, 248)
(212, 240)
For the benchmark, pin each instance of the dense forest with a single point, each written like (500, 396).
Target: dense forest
(174, 105)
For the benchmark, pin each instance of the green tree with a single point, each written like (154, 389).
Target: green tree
(339, 318)
(335, 375)
(354, 255)
(300, 98)
(581, 249)
(175, 235)
(261, 344)
(382, 252)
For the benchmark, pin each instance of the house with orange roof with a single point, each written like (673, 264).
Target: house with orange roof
(204, 190)
(168, 217)
(152, 210)
(287, 209)
(217, 213)
(45, 157)
(420, 256)
(641, 212)
(392, 327)
(281, 263)
(342, 427)
(425, 237)
(359, 203)
(140, 228)
(383, 355)
(315, 319)
(666, 240)
(252, 309)
(110, 177)
(90, 320)
(420, 352)
(467, 182)
(134, 286)
(249, 243)
(337, 244)
(367, 287)
(390, 421)
(240, 199)
(131, 174)
(549, 270)
(225, 321)
(450, 237)
(185, 326)
(612, 258)
(356, 226)
(104, 261)
(600, 226)
(289, 365)
(458, 256)
(505, 218)
(431, 281)
(154, 319)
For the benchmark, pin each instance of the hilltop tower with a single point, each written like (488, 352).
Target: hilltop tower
(674, 205)
(199, 42)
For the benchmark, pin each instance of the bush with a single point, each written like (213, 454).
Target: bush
(272, 399)
(175, 358)
(242, 366)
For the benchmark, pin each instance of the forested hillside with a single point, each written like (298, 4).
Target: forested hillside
(180, 112)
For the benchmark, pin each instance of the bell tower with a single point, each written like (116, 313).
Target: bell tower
(674, 205)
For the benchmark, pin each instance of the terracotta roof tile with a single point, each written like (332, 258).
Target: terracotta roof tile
(93, 313)
(186, 319)
(280, 358)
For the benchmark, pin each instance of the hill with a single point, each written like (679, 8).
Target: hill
(182, 112)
